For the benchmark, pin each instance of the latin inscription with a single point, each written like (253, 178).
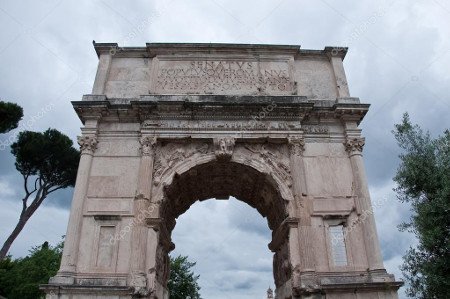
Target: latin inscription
(224, 77)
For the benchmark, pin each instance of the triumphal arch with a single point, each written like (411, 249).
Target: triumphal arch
(272, 125)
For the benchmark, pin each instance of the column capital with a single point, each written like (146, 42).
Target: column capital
(354, 145)
(148, 145)
(296, 145)
(88, 144)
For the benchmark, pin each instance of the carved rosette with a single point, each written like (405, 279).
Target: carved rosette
(354, 145)
(88, 144)
(147, 145)
(296, 145)
(223, 147)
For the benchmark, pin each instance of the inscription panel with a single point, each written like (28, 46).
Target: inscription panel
(223, 76)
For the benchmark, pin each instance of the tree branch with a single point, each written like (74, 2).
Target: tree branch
(57, 188)
(25, 183)
(35, 183)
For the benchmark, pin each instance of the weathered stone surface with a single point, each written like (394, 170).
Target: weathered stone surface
(169, 124)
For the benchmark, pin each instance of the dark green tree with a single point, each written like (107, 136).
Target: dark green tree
(182, 281)
(10, 115)
(20, 278)
(423, 180)
(48, 162)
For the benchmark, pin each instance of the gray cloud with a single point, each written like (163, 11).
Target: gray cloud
(398, 61)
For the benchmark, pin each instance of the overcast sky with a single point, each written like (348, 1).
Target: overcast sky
(398, 60)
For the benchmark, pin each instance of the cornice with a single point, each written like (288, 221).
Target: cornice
(217, 107)
(155, 49)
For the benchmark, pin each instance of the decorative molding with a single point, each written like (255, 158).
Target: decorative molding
(223, 147)
(296, 145)
(213, 125)
(315, 129)
(88, 144)
(354, 145)
(147, 145)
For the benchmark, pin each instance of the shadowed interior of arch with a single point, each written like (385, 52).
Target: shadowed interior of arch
(221, 179)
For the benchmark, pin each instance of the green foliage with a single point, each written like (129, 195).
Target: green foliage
(183, 282)
(20, 278)
(10, 115)
(48, 155)
(423, 180)
(51, 162)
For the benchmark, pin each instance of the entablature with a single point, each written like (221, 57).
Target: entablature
(245, 117)
(221, 112)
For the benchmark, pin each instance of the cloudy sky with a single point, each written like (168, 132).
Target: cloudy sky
(398, 60)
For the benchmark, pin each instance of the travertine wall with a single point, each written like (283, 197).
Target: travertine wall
(274, 126)
(261, 70)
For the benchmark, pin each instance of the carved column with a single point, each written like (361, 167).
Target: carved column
(297, 146)
(142, 210)
(354, 147)
(88, 144)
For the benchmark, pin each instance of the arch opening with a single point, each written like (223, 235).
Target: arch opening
(222, 179)
(228, 241)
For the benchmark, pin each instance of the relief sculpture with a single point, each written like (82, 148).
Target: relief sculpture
(167, 156)
(274, 158)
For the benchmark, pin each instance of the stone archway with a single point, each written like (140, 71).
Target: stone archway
(169, 124)
(220, 175)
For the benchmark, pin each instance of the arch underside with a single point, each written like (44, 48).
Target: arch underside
(221, 179)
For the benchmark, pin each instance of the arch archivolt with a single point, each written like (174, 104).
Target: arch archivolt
(176, 158)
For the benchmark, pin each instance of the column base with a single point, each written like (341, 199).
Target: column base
(334, 285)
(54, 291)
(102, 287)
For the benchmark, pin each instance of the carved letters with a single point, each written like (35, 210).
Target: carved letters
(224, 76)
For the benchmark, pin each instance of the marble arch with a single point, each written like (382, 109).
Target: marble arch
(274, 125)
(221, 179)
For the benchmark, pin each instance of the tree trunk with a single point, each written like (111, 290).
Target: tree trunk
(26, 213)
(20, 225)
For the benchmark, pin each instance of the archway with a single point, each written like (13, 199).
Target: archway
(221, 178)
